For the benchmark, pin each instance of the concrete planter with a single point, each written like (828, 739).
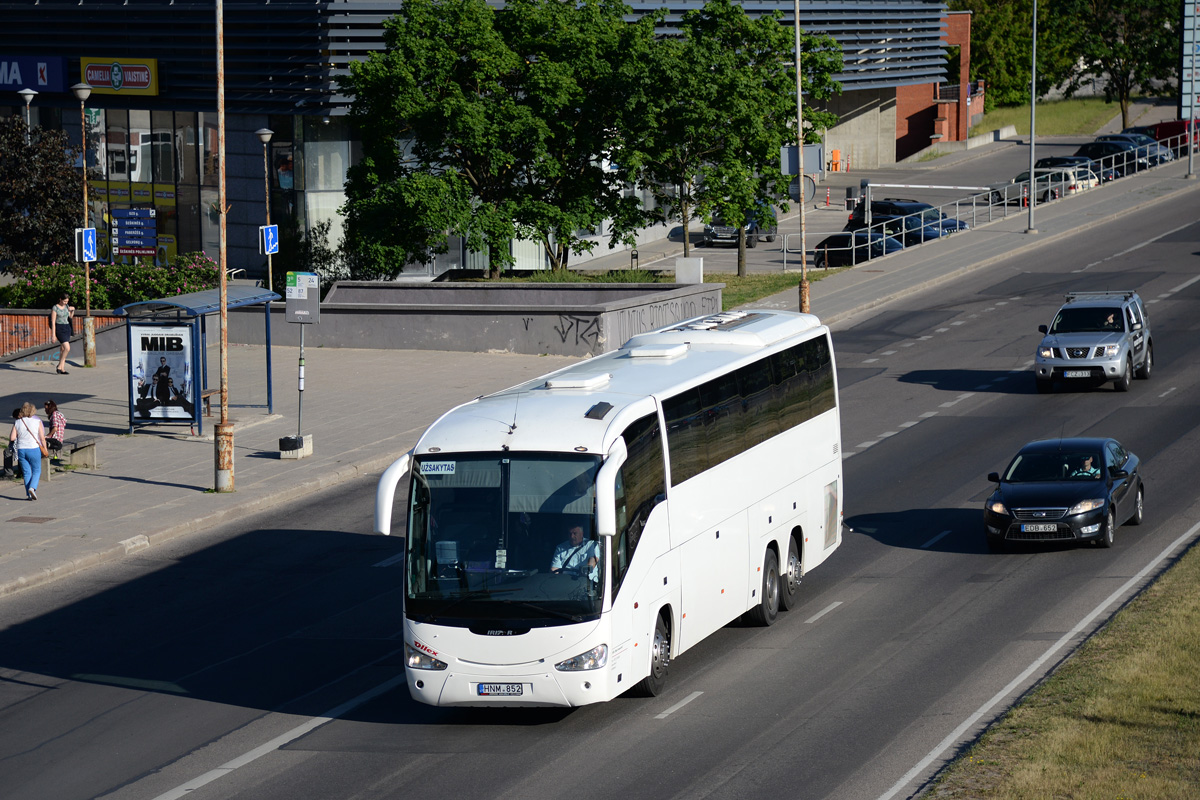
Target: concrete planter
(574, 319)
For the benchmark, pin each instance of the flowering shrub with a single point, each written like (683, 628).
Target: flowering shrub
(113, 285)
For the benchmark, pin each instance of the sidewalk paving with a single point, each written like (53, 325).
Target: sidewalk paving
(364, 408)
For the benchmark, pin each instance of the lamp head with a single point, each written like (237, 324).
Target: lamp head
(264, 134)
(82, 91)
(28, 94)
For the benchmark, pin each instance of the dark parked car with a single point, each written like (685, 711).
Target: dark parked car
(1064, 490)
(1105, 175)
(1121, 156)
(721, 230)
(836, 250)
(913, 221)
(1146, 145)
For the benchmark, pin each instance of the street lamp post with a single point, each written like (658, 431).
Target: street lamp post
(28, 94)
(1031, 228)
(804, 296)
(223, 430)
(264, 135)
(82, 92)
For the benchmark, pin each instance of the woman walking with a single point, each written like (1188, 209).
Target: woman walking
(60, 323)
(30, 437)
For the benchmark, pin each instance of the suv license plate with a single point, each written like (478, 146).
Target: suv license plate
(1039, 528)
(1077, 373)
(502, 689)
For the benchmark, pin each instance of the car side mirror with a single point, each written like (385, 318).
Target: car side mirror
(1117, 472)
(1043, 329)
(1137, 326)
(994, 477)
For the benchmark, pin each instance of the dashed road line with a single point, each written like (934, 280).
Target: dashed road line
(934, 540)
(678, 705)
(822, 612)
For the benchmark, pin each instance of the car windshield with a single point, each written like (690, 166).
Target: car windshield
(508, 536)
(1088, 320)
(1058, 466)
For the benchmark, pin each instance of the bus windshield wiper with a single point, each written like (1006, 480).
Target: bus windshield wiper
(540, 609)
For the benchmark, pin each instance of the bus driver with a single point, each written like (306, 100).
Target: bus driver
(575, 554)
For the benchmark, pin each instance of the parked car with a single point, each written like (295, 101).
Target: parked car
(1050, 184)
(1147, 145)
(911, 220)
(1096, 337)
(1121, 156)
(854, 247)
(760, 226)
(1065, 490)
(1105, 174)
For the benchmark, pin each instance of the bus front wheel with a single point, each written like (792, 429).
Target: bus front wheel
(789, 579)
(660, 661)
(767, 610)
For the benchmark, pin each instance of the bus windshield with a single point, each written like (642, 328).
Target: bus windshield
(508, 537)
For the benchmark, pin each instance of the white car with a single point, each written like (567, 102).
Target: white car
(1052, 183)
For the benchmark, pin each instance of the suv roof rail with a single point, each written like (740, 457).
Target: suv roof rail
(899, 200)
(1124, 293)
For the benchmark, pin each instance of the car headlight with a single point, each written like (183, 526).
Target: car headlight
(1045, 352)
(415, 659)
(996, 507)
(1086, 505)
(1111, 350)
(595, 658)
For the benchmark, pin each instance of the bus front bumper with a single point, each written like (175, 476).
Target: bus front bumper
(546, 688)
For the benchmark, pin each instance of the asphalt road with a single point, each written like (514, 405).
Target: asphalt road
(210, 666)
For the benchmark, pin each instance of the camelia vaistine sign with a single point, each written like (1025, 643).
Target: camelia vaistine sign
(121, 75)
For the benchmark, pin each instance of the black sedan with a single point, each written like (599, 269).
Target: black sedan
(1064, 490)
(848, 249)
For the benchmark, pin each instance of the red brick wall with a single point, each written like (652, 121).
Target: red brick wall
(915, 114)
(22, 329)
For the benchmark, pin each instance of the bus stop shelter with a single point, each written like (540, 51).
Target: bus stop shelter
(167, 347)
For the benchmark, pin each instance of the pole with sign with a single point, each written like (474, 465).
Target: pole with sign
(303, 306)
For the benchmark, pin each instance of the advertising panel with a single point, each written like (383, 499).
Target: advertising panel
(162, 372)
(121, 75)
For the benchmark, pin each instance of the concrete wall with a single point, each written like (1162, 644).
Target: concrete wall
(866, 134)
(557, 319)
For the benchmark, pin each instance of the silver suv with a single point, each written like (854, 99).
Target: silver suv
(1096, 337)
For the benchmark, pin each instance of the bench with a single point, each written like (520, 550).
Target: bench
(80, 451)
(206, 399)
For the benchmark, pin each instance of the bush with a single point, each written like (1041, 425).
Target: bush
(113, 285)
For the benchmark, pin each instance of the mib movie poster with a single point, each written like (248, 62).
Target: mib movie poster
(162, 372)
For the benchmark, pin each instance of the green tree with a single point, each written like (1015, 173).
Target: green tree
(41, 195)
(1132, 45)
(711, 142)
(493, 125)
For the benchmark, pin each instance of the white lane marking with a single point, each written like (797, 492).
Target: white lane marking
(923, 338)
(983, 387)
(1185, 284)
(929, 414)
(279, 741)
(1001, 302)
(886, 434)
(1167, 392)
(909, 424)
(387, 562)
(908, 344)
(958, 322)
(957, 400)
(678, 705)
(888, 353)
(1155, 300)
(934, 540)
(1050, 653)
(864, 445)
(870, 360)
(1140, 245)
(941, 330)
(823, 612)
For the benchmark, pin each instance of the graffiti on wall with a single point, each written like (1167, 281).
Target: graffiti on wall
(585, 330)
(628, 322)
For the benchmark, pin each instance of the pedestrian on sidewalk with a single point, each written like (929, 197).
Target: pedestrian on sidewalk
(60, 324)
(30, 437)
(58, 427)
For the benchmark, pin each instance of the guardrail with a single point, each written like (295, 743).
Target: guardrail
(982, 207)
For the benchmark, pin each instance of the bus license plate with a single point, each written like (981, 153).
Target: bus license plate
(1077, 373)
(1039, 528)
(499, 689)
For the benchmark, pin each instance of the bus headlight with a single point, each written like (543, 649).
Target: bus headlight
(415, 659)
(595, 658)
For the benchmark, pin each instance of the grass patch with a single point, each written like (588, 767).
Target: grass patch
(1076, 117)
(1119, 719)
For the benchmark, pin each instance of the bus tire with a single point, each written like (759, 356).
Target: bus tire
(767, 610)
(789, 578)
(660, 661)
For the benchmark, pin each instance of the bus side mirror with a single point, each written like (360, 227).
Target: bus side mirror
(606, 489)
(385, 492)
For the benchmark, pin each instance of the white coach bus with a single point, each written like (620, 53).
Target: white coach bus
(570, 536)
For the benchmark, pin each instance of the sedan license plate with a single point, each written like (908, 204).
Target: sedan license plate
(1077, 373)
(499, 689)
(1039, 528)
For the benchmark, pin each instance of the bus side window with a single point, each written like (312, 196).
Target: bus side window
(640, 487)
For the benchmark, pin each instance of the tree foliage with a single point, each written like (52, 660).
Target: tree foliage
(494, 125)
(41, 195)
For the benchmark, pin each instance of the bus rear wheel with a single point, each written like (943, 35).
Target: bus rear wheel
(789, 579)
(767, 610)
(660, 661)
